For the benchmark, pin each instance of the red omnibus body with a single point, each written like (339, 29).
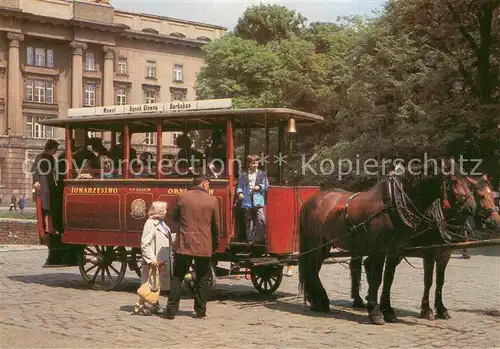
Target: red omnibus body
(102, 219)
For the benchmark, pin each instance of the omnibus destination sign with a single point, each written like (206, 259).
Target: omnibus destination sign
(223, 103)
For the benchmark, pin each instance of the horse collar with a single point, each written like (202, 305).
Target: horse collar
(346, 205)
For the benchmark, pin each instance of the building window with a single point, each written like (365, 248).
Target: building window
(89, 94)
(39, 91)
(30, 55)
(178, 94)
(150, 138)
(177, 73)
(121, 96)
(40, 57)
(91, 134)
(90, 61)
(122, 66)
(151, 69)
(35, 130)
(174, 137)
(50, 58)
(149, 96)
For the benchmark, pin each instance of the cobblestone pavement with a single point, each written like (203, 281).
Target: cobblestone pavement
(51, 308)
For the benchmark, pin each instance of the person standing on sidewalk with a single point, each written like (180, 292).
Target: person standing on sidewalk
(197, 215)
(13, 202)
(21, 203)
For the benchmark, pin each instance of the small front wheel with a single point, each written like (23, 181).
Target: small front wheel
(189, 280)
(267, 279)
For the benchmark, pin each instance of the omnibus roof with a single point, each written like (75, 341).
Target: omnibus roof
(187, 119)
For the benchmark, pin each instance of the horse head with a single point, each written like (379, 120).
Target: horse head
(486, 209)
(437, 180)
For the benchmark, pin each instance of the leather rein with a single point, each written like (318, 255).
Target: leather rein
(400, 205)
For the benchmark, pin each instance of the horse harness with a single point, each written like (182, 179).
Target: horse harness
(398, 207)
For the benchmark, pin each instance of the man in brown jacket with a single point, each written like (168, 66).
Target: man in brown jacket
(197, 215)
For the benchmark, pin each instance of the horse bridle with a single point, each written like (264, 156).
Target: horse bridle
(459, 200)
(484, 213)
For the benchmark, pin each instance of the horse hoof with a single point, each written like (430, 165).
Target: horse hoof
(443, 314)
(320, 308)
(377, 319)
(376, 316)
(358, 303)
(390, 317)
(427, 314)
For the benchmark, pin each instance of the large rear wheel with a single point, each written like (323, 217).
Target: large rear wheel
(103, 267)
(135, 260)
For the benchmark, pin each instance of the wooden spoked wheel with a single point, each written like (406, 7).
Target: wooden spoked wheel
(267, 279)
(189, 283)
(103, 267)
(135, 260)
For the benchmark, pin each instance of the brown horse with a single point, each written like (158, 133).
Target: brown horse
(378, 222)
(487, 214)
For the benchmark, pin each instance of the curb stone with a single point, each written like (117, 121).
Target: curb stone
(9, 248)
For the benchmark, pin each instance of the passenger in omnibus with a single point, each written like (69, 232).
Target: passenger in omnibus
(216, 153)
(117, 152)
(148, 164)
(43, 170)
(189, 160)
(84, 154)
(105, 162)
(167, 164)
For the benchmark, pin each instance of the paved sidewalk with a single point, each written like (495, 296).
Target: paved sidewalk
(51, 308)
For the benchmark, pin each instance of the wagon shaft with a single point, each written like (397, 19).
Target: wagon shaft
(467, 244)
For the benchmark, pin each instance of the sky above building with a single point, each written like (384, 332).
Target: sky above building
(227, 12)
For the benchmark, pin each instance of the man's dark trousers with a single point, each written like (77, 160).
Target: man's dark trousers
(201, 283)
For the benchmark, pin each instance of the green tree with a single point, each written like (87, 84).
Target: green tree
(265, 23)
(239, 69)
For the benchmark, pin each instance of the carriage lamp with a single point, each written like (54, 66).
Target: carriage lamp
(291, 126)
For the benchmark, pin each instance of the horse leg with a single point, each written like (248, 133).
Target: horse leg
(441, 263)
(314, 292)
(391, 263)
(374, 265)
(425, 310)
(355, 265)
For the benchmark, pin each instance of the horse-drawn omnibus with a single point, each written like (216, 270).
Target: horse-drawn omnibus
(101, 220)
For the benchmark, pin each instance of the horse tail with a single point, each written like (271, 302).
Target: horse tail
(313, 251)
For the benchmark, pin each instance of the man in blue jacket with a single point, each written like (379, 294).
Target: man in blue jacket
(251, 191)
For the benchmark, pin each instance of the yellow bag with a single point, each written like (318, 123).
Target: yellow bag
(151, 294)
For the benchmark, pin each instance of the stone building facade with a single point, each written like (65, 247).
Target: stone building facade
(60, 54)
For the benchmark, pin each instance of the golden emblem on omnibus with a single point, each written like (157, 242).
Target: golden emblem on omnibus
(94, 190)
(138, 209)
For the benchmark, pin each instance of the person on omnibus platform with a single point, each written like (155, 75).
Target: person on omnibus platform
(251, 193)
(251, 190)
(43, 170)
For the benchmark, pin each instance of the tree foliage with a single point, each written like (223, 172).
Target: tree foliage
(266, 23)
(423, 77)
